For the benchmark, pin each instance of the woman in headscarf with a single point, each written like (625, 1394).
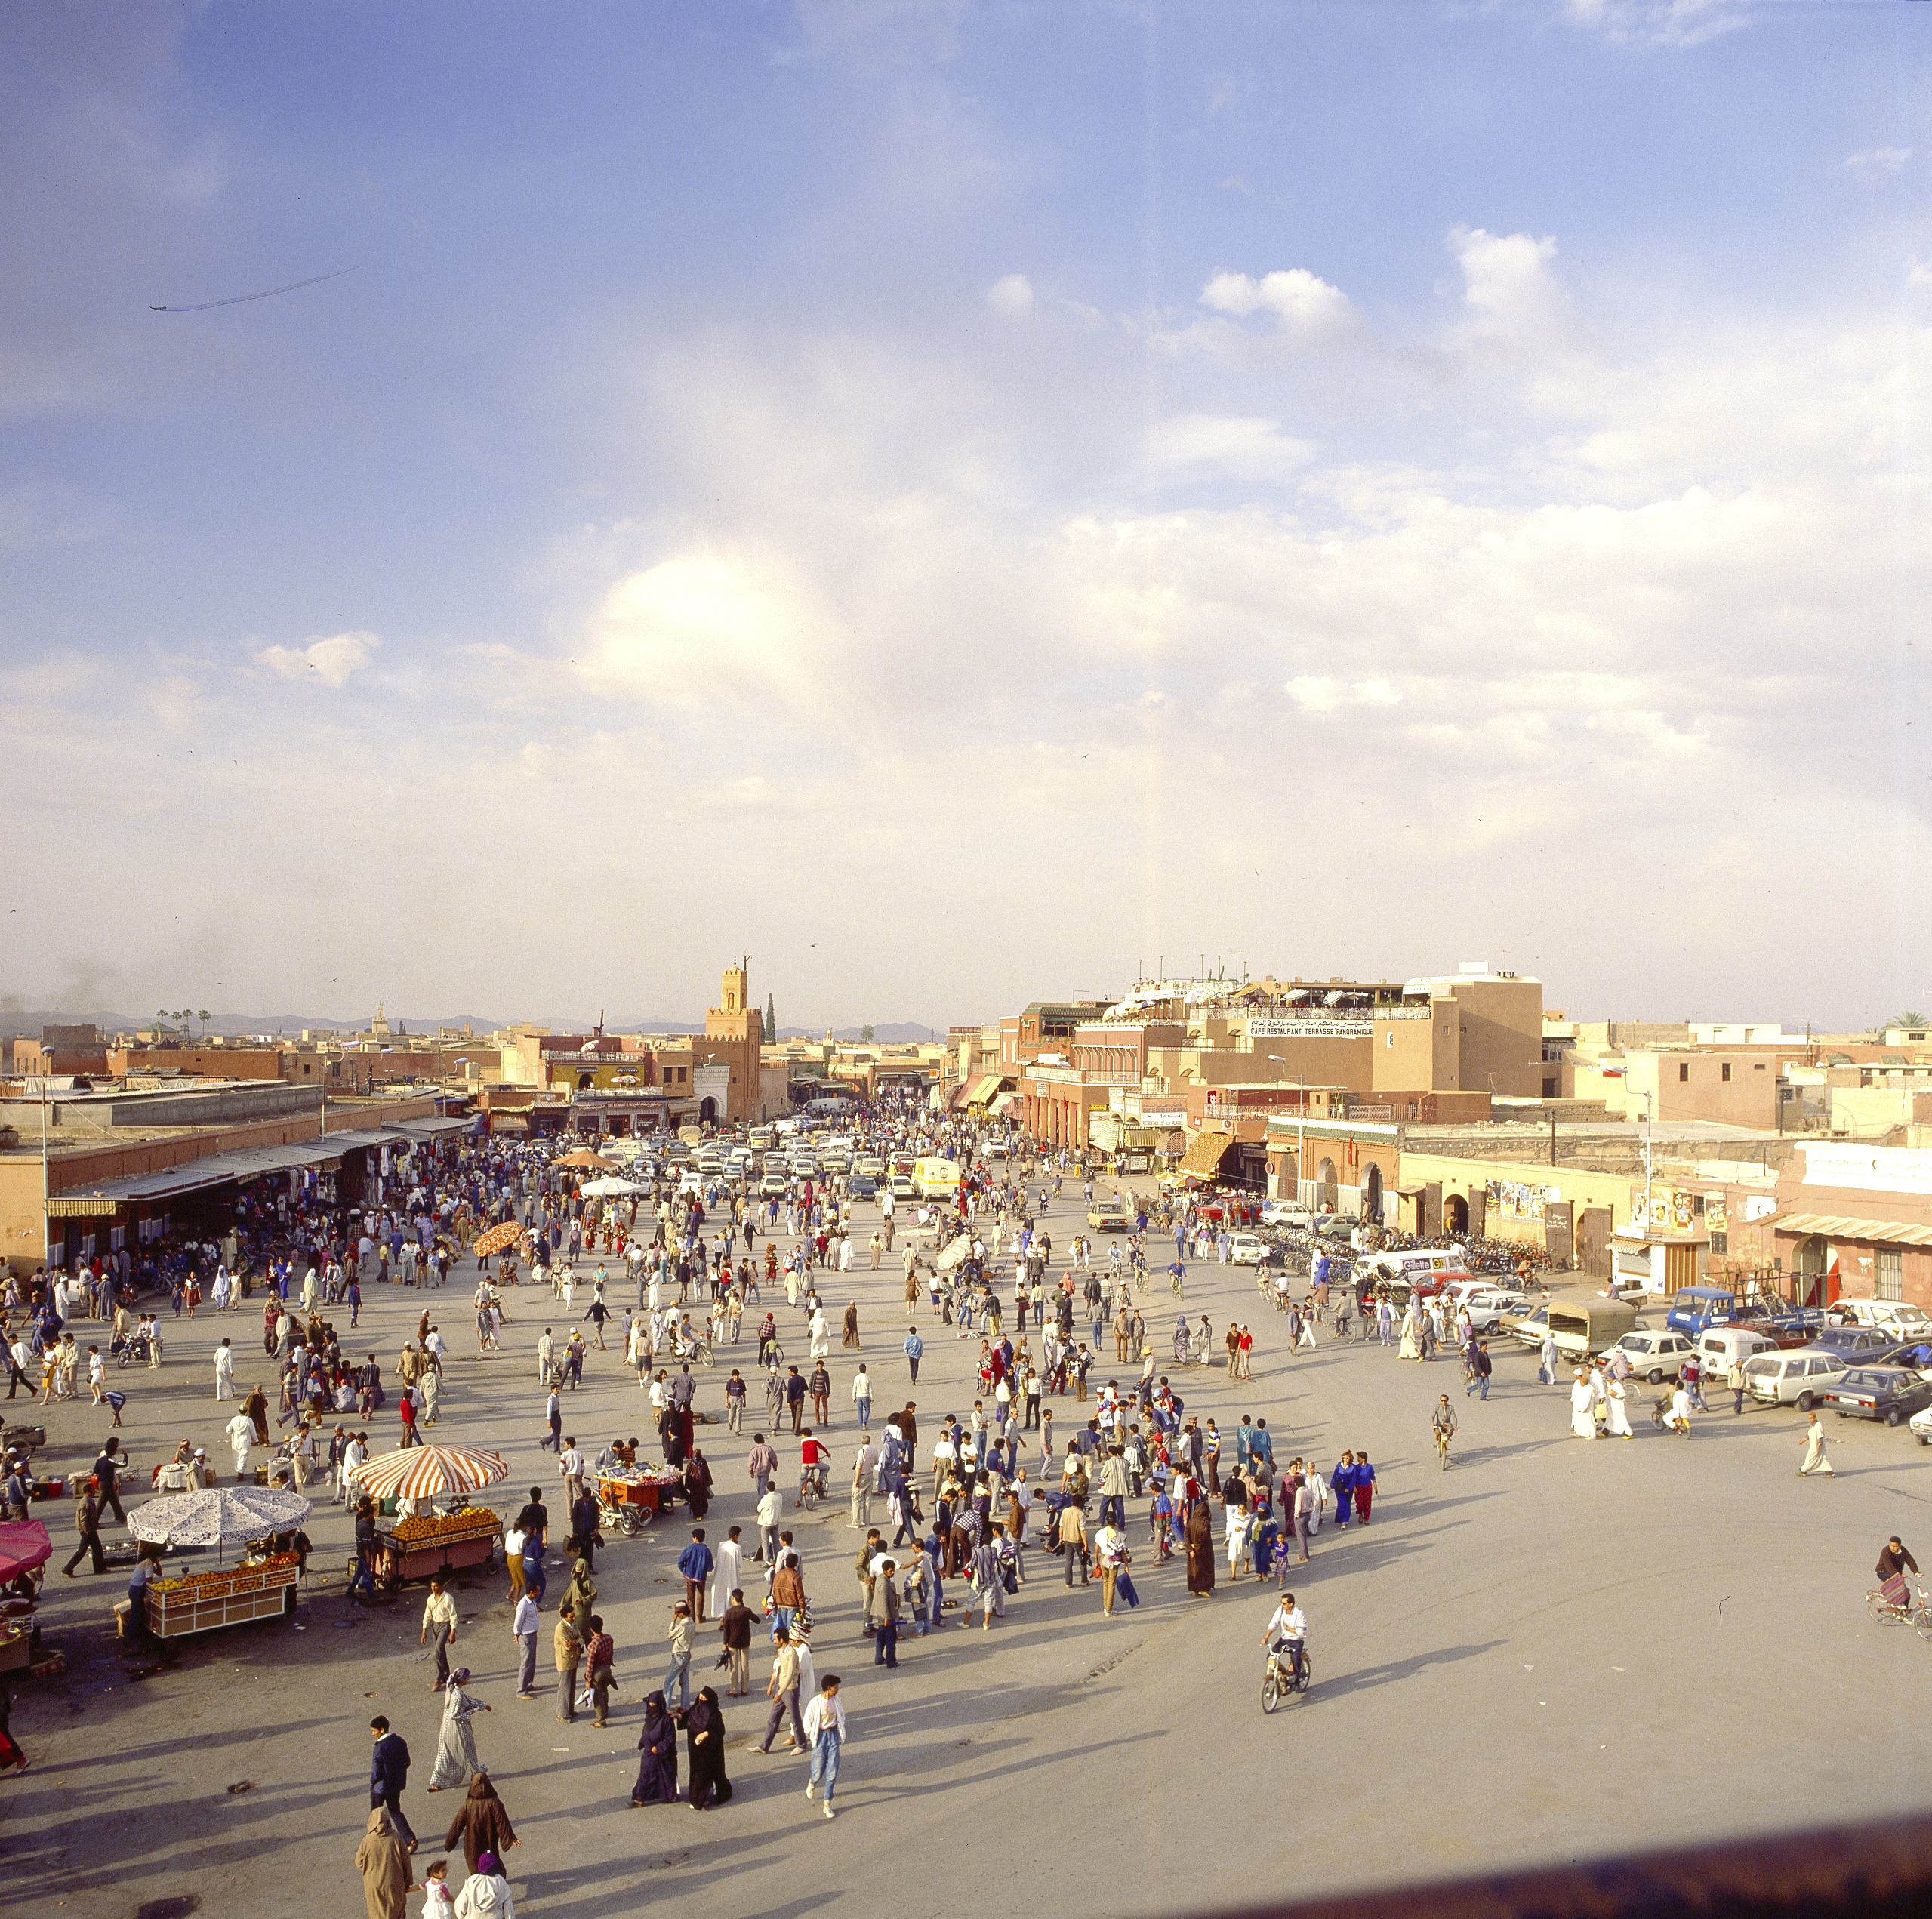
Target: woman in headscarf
(456, 1749)
(697, 1483)
(481, 1823)
(486, 1893)
(657, 1771)
(383, 1862)
(1200, 1551)
(705, 1732)
(580, 1595)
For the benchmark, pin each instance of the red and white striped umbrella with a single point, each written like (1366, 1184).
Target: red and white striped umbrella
(429, 1472)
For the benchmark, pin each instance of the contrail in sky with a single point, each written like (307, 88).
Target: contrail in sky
(240, 298)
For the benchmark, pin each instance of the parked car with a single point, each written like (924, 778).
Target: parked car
(1890, 1316)
(1528, 1327)
(1890, 1393)
(1489, 1306)
(1860, 1344)
(1248, 1249)
(1916, 1356)
(774, 1186)
(1107, 1216)
(1286, 1212)
(1921, 1427)
(1655, 1356)
(1334, 1225)
(900, 1186)
(1777, 1333)
(862, 1186)
(1800, 1379)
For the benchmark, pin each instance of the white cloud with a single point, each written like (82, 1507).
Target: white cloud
(1506, 276)
(1660, 23)
(1012, 295)
(1302, 300)
(1321, 697)
(1247, 447)
(330, 662)
(1876, 162)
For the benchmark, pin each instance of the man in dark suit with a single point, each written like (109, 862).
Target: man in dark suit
(389, 1773)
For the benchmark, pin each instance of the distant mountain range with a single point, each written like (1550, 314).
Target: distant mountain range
(288, 1025)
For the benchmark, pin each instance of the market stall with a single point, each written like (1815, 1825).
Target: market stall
(25, 1550)
(425, 1544)
(630, 1501)
(430, 1546)
(261, 1586)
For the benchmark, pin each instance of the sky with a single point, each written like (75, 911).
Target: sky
(965, 503)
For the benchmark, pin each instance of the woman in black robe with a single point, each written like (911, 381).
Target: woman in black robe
(657, 1771)
(705, 1732)
(697, 1483)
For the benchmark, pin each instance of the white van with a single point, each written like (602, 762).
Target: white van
(1892, 1315)
(1722, 1346)
(1405, 1268)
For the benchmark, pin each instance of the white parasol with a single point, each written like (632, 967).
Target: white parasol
(610, 1184)
(215, 1514)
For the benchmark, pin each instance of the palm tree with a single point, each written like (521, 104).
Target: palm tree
(202, 1016)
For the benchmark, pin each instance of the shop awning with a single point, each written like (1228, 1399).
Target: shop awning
(987, 1089)
(509, 1122)
(433, 1129)
(194, 1176)
(346, 1142)
(1835, 1226)
(1206, 1153)
(1005, 1103)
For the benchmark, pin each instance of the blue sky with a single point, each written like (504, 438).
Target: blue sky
(962, 502)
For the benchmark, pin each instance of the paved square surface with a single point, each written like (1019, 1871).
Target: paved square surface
(1553, 1650)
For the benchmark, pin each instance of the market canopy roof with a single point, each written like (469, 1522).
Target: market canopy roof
(23, 1545)
(433, 1129)
(215, 1513)
(1835, 1226)
(211, 1169)
(383, 1136)
(1206, 1153)
(987, 1087)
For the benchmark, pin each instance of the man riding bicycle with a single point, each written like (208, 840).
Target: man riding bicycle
(1442, 1423)
(815, 1462)
(1176, 1274)
(1286, 1629)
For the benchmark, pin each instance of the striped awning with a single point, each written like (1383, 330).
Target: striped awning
(429, 1472)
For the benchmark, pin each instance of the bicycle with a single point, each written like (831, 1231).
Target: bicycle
(1887, 1609)
(1279, 1679)
(1443, 1435)
(812, 1488)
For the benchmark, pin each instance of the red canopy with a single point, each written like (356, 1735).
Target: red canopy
(23, 1545)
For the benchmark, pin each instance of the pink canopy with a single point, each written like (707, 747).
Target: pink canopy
(23, 1545)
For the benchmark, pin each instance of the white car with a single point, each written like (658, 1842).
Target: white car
(1798, 1377)
(1920, 1426)
(1247, 1249)
(1653, 1355)
(1490, 1306)
(1286, 1212)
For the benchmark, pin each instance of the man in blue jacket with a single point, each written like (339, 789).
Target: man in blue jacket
(389, 1773)
(696, 1564)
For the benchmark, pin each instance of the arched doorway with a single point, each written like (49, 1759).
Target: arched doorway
(1455, 1214)
(707, 1111)
(1813, 1257)
(1372, 1194)
(584, 1081)
(1324, 1198)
